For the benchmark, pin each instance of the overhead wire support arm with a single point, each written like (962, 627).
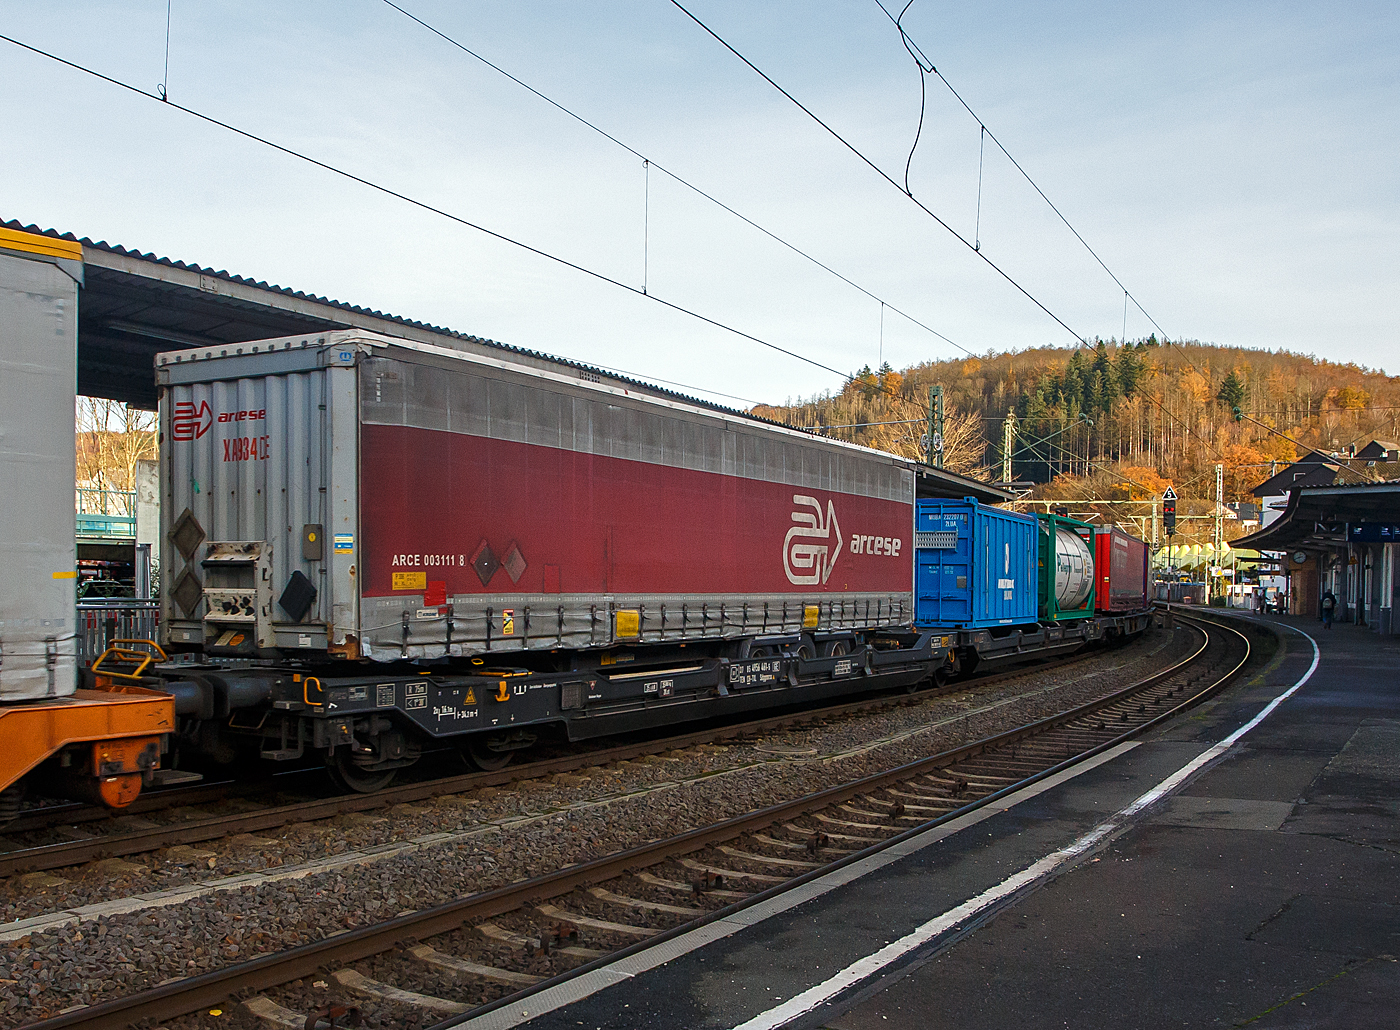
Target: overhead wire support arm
(164, 87)
(646, 222)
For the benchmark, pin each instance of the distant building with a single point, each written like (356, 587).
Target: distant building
(1333, 523)
(1379, 450)
(1320, 468)
(1247, 513)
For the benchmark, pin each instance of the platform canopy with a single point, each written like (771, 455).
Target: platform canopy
(1326, 517)
(134, 305)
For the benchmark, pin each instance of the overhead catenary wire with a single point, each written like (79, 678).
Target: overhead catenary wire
(424, 206)
(1078, 337)
(862, 425)
(644, 377)
(925, 63)
(922, 60)
(673, 176)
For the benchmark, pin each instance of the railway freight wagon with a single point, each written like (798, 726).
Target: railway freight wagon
(1120, 571)
(364, 497)
(543, 547)
(55, 736)
(1066, 568)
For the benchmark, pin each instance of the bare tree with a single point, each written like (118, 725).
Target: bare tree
(111, 438)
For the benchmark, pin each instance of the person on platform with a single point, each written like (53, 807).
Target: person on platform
(1329, 606)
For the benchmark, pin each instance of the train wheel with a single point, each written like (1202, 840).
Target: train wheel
(350, 776)
(835, 648)
(942, 675)
(485, 758)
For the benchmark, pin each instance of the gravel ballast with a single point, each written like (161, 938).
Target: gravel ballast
(496, 836)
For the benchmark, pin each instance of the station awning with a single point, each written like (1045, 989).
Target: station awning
(135, 305)
(1327, 517)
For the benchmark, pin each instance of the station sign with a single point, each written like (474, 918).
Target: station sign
(1374, 533)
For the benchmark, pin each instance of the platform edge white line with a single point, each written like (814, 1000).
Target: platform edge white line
(871, 964)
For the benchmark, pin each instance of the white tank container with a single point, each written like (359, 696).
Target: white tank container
(38, 377)
(1074, 570)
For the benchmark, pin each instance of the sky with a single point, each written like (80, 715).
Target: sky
(1233, 164)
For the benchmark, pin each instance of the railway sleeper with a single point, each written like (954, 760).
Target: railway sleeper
(573, 918)
(912, 792)
(782, 863)
(848, 824)
(363, 985)
(728, 874)
(794, 828)
(603, 894)
(268, 1012)
(436, 959)
(688, 888)
(774, 842)
(493, 932)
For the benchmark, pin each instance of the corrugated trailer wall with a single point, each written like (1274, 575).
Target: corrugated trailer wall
(38, 377)
(268, 460)
(976, 565)
(1121, 566)
(499, 508)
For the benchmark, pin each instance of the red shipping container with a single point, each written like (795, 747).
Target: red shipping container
(1120, 565)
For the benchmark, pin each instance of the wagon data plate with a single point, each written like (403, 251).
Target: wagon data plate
(756, 672)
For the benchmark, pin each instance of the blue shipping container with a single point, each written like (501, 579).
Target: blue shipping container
(974, 566)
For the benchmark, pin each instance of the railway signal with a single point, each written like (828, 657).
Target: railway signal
(1169, 511)
(933, 439)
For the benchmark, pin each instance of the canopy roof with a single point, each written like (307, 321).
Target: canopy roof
(1318, 517)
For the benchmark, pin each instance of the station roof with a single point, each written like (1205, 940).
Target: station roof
(1317, 517)
(135, 305)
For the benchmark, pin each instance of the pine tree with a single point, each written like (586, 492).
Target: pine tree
(1231, 392)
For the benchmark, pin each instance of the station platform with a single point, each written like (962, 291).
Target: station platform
(1225, 870)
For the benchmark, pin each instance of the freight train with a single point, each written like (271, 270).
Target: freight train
(375, 547)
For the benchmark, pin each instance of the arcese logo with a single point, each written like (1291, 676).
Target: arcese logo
(189, 422)
(240, 416)
(809, 564)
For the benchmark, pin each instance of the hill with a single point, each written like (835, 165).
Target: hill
(1117, 419)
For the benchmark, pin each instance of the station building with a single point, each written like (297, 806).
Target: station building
(1343, 537)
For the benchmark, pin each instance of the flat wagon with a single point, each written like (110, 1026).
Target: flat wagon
(96, 744)
(1066, 568)
(513, 546)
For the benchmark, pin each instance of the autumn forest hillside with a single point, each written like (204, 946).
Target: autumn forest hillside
(1117, 420)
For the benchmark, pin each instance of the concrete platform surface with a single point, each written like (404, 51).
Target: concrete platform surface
(1266, 893)
(1263, 890)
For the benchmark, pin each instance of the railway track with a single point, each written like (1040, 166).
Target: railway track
(95, 834)
(490, 949)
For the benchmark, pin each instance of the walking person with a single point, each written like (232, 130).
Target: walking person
(1329, 605)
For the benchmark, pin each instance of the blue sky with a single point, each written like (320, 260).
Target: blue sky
(1235, 164)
